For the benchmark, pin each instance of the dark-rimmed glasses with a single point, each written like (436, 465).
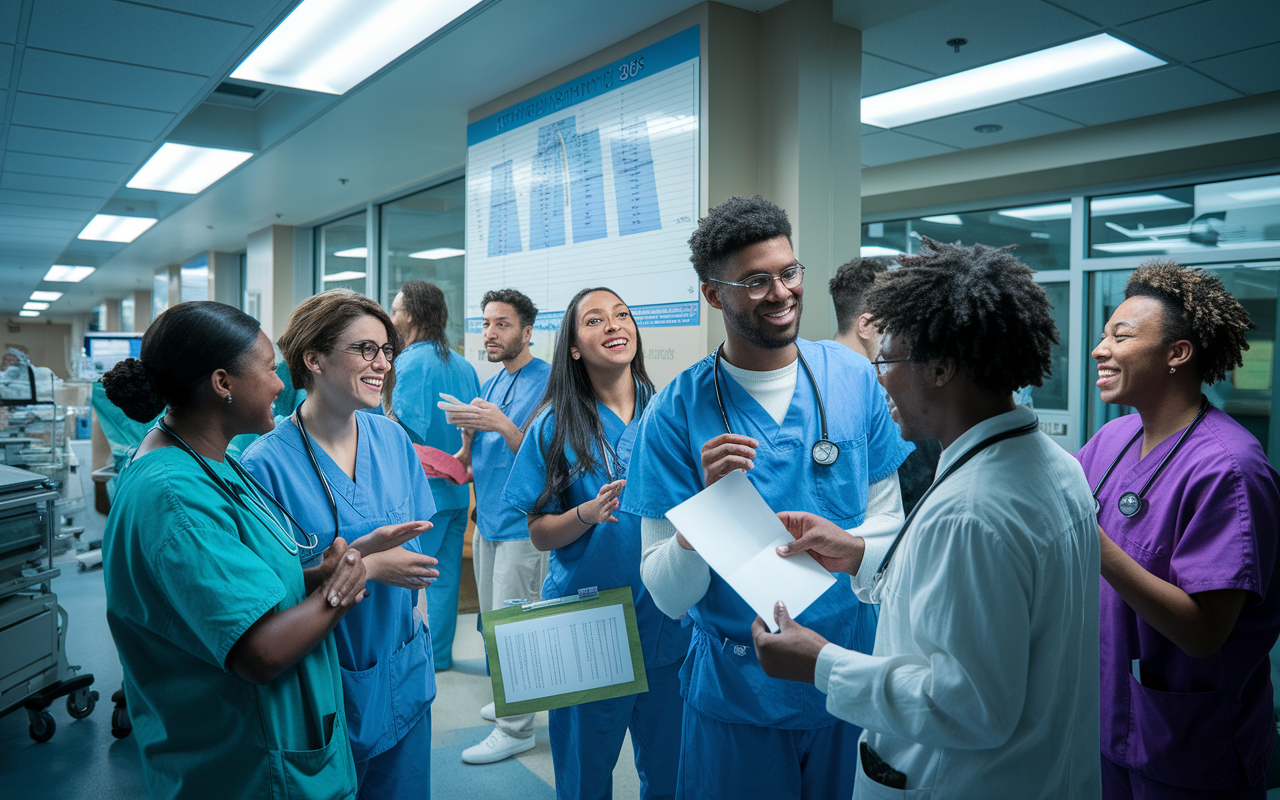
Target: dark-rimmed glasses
(369, 350)
(880, 362)
(758, 286)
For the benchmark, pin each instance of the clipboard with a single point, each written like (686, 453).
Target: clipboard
(564, 651)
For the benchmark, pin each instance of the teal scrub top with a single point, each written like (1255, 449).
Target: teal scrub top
(188, 569)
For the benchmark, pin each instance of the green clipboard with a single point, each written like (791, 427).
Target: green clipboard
(566, 654)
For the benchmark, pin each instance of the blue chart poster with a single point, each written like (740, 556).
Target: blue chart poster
(594, 182)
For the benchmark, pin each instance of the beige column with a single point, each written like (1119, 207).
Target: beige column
(269, 277)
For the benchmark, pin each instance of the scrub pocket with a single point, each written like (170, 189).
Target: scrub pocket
(1182, 738)
(324, 774)
(842, 487)
(413, 679)
(869, 788)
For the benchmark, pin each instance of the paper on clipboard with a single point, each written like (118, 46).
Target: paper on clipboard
(735, 531)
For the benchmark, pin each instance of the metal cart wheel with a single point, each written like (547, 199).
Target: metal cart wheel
(42, 725)
(80, 704)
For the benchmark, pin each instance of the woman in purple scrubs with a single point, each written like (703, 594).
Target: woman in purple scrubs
(1187, 508)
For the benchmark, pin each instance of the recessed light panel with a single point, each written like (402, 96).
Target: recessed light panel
(29, 306)
(61, 273)
(438, 253)
(343, 276)
(945, 219)
(1133, 204)
(185, 169)
(1039, 213)
(1076, 63)
(28, 313)
(870, 250)
(111, 228)
(46, 296)
(331, 45)
(354, 252)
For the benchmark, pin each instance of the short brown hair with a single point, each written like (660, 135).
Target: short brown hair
(318, 321)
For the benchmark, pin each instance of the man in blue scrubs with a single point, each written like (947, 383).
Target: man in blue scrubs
(507, 565)
(745, 734)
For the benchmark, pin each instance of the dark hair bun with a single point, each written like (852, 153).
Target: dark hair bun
(128, 385)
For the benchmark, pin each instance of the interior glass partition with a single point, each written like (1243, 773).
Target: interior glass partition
(423, 238)
(343, 249)
(1042, 233)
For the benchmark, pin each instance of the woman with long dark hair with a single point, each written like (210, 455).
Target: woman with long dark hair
(568, 476)
(229, 666)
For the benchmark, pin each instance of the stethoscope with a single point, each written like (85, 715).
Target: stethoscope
(506, 396)
(824, 451)
(255, 491)
(315, 465)
(1130, 503)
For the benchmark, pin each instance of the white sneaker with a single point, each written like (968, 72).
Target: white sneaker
(486, 712)
(496, 746)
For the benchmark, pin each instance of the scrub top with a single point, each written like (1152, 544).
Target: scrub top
(722, 678)
(421, 374)
(188, 569)
(388, 676)
(607, 556)
(1207, 522)
(517, 394)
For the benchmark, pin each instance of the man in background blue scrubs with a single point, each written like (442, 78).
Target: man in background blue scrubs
(745, 734)
(507, 565)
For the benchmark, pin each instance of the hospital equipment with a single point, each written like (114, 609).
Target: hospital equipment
(1130, 503)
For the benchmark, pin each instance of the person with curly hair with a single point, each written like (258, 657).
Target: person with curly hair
(755, 404)
(983, 681)
(1187, 508)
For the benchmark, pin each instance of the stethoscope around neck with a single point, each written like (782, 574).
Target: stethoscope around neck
(824, 451)
(1130, 503)
(315, 465)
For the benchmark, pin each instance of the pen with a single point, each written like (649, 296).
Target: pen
(590, 593)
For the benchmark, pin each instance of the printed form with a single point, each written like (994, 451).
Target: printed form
(570, 652)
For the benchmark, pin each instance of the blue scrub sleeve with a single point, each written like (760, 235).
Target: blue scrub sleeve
(411, 403)
(216, 586)
(529, 472)
(663, 471)
(424, 503)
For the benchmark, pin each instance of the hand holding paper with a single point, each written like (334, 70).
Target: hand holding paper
(736, 532)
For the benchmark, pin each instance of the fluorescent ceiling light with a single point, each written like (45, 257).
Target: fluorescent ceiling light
(29, 306)
(61, 273)
(354, 252)
(331, 45)
(49, 296)
(28, 313)
(1163, 246)
(438, 253)
(1272, 193)
(110, 228)
(945, 219)
(343, 276)
(869, 250)
(1039, 213)
(1133, 204)
(1076, 63)
(185, 169)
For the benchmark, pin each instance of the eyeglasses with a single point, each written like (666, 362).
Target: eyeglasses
(369, 350)
(880, 362)
(758, 286)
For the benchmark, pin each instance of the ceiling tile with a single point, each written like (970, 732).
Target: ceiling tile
(890, 147)
(42, 200)
(101, 81)
(1138, 95)
(77, 145)
(44, 183)
(6, 63)
(110, 31)
(881, 75)
(1109, 12)
(1016, 122)
(245, 12)
(1253, 71)
(9, 209)
(51, 226)
(1208, 29)
(33, 164)
(9, 15)
(996, 30)
(56, 113)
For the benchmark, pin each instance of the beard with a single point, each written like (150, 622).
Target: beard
(746, 325)
(509, 351)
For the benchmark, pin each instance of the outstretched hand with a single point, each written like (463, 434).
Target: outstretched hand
(790, 654)
(601, 508)
(834, 548)
(389, 536)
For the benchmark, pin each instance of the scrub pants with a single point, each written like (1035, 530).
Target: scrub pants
(507, 571)
(585, 736)
(723, 759)
(444, 543)
(402, 772)
(1120, 783)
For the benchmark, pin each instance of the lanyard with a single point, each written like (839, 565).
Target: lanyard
(1130, 503)
(1030, 427)
(315, 465)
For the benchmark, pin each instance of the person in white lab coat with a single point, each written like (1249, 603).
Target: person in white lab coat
(984, 677)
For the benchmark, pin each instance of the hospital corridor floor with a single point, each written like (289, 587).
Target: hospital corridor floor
(83, 760)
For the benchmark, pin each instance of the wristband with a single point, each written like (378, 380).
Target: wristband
(580, 519)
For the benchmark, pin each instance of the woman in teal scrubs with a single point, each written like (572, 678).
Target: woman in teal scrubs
(343, 473)
(230, 671)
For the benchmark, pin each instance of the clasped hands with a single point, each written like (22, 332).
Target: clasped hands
(377, 555)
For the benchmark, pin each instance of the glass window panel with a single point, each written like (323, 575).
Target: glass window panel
(159, 292)
(1246, 393)
(1053, 394)
(195, 280)
(1203, 220)
(1042, 233)
(343, 247)
(423, 239)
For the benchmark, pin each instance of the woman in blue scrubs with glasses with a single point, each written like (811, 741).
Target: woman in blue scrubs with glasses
(229, 665)
(352, 475)
(568, 476)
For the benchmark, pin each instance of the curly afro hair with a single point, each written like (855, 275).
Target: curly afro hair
(850, 285)
(1197, 308)
(734, 224)
(975, 306)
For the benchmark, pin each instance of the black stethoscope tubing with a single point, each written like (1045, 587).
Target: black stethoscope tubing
(506, 396)
(315, 465)
(1130, 503)
(255, 487)
(1030, 427)
(824, 451)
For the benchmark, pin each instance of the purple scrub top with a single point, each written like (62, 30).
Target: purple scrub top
(1208, 522)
